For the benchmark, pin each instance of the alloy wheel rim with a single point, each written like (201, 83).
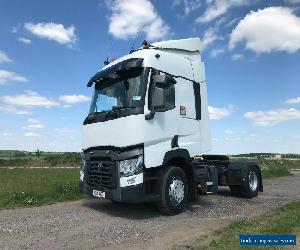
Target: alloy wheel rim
(176, 191)
(253, 180)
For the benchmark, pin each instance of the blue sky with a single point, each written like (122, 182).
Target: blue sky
(49, 49)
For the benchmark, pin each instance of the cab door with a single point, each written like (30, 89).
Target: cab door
(188, 125)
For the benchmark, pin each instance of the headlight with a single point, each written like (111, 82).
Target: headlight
(131, 167)
(82, 164)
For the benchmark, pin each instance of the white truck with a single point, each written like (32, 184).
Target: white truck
(148, 129)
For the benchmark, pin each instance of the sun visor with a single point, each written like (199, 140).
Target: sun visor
(124, 65)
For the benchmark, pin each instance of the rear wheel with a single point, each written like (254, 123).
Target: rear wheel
(235, 190)
(250, 188)
(174, 192)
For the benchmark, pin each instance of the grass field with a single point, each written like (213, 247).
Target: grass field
(23, 159)
(21, 187)
(277, 168)
(283, 220)
(34, 187)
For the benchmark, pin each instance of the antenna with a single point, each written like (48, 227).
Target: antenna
(110, 47)
(109, 52)
(106, 62)
(134, 40)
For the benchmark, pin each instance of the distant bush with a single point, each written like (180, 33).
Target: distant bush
(38, 153)
(278, 163)
(14, 162)
(45, 160)
(72, 159)
(18, 154)
(277, 167)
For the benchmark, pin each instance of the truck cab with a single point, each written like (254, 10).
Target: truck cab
(147, 131)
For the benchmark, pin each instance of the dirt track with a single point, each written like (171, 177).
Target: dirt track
(101, 224)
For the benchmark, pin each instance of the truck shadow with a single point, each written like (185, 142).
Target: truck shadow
(148, 210)
(225, 192)
(124, 210)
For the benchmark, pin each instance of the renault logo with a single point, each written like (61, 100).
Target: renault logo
(100, 165)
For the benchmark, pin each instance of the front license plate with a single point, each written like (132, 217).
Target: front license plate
(99, 194)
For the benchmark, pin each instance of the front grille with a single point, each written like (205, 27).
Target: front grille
(101, 174)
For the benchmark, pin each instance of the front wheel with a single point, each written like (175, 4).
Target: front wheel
(174, 192)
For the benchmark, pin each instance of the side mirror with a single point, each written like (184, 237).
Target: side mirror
(163, 80)
(162, 84)
(158, 99)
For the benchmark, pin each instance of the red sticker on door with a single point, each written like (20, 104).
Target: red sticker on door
(182, 110)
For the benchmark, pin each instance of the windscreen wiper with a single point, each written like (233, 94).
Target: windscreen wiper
(117, 108)
(96, 113)
(107, 113)
(125, 107)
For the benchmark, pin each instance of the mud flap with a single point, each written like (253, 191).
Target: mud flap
(238, 170)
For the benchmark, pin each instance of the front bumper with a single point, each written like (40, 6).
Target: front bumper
(132, 194)
(102, 173)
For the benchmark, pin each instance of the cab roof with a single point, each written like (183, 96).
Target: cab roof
(190, 44)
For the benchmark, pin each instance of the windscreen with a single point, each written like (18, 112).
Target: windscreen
(118, 91)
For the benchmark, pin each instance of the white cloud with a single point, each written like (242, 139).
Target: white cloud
(229, 132)
(270, 29)
(213, 11)
(176, 3)
(6, 76)
(53, 31)
(29, 99)
(217, 8)
(215, 52)
(14, 29)
(33, 124)
(22, 104)
(132, 16)
(210, 35)
(191, 5)
(293, 100)
(272, 117)
(31, 134)
(66, 130)
(188, 5)
(31, 120)
(6, 134)
(73, 99)
(236, 57)
(292, 1)
(232, 22)
(219, 113)
(232, 139)
(32, 140)
(24, 40)
(4, 57)
(14, 110)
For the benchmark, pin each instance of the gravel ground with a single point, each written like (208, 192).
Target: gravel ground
(101, 224)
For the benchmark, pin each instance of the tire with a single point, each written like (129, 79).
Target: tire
(235, 190)
(250, 188)
(174, 192)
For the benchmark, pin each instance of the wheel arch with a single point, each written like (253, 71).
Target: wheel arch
(181, 158)
(237, 172)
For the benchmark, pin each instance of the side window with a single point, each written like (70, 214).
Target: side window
(170, 97)
(197, 95)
